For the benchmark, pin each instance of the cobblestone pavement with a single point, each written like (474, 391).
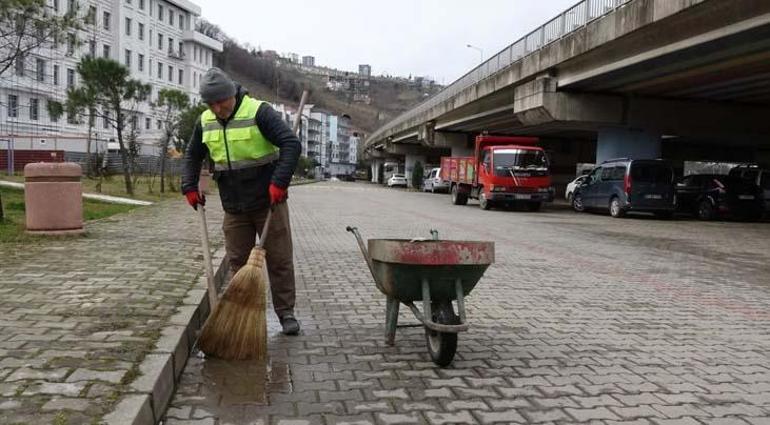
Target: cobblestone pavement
(77, 315)
(582, 319)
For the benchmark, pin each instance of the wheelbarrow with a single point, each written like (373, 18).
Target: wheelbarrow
(433, 271)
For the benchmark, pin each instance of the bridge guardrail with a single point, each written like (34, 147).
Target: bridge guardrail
(565, 23)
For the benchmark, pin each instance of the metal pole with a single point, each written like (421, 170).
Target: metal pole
(302, 102)
(10, 157)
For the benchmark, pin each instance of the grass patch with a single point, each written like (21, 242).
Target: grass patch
(12, 226)
(146, 188)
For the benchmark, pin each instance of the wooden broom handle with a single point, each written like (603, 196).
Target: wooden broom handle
(263, 234)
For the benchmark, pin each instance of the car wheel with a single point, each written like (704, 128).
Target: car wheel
(577, 203)
(484, 203)
(534, 206)
(458, 198)
(432, 189)
(705, 210)
(615, 209)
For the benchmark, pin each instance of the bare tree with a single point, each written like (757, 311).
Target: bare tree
(170, 105)
(26, 25)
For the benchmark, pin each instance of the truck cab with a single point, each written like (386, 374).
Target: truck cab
(503, 171)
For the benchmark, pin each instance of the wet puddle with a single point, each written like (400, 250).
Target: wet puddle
(246, 382)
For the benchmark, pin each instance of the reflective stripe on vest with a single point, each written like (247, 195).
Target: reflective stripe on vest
(239, 144)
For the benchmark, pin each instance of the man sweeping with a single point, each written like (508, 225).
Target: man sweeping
(254, 153)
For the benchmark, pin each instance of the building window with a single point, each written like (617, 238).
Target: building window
(53, 118)
(141, 4)
(128, 1)
(158, 124)
(40, 69)
(160, 12)
(195, 53)
(195, 79)
(171, 17)
(13, 106)
(147, 123)
(128, 27)
(34, 109)
(160, 70)
(128, 59)
(140, 62)
(71, 7)
(181, 22)
(70, 77)
(106, 119)
(56, 75)
(181, 76)
(56, 5)
(20, 65)
(170, 45)
(160, 41)
(106, 20)
(171, 73)
(181, 48)
(70, 44)
(106, 51)
(140, 30)
(91, 16)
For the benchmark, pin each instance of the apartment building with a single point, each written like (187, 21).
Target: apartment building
(325, 137)
(155, 39)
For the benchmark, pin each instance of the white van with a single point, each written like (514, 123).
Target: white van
(434, 183)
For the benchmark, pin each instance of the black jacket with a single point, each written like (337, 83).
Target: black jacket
(246, 190)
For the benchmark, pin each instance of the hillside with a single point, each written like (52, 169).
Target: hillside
(276, 84)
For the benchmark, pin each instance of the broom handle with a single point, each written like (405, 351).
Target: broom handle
(213, 297)
(263, 235)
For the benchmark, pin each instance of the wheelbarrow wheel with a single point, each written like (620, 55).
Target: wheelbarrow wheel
(442, 345)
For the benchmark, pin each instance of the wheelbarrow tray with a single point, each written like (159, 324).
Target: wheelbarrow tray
(401, 265)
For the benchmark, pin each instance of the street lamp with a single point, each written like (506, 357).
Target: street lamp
(479, 49)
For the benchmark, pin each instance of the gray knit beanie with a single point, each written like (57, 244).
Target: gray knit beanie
(216, 86)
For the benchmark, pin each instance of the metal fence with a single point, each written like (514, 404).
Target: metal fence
(567, 22)
(112, 164)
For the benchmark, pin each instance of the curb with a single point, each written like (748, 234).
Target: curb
(148, 396)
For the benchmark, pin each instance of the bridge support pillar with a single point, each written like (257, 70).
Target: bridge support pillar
(409, 163)
(376, 166)
(461, 144)
(627, 143)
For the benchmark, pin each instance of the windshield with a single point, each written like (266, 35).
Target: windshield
(520, 161)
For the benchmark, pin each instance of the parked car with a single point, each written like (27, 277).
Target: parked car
(757, 175)
(434, 183)
(710, 196)
(397, 180)
(571, 187)
(628, 185)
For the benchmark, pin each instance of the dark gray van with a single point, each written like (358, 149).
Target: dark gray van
(628, 185)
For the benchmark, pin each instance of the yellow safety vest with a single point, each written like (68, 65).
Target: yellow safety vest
(239, 144)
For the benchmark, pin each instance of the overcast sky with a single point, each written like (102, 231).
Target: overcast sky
(397, 37)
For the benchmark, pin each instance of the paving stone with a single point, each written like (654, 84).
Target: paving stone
(77, 404)
(86, 375)
(460, 417)
(504, 416)
(398, 418)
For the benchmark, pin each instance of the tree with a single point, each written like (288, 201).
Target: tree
(188, 119)
(117, 97)
(170, 106)
(82, 102)
(210, 30)
(26, 25)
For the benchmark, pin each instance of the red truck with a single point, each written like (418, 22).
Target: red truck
(502, 171)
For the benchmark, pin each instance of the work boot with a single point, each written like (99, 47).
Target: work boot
(289, 324)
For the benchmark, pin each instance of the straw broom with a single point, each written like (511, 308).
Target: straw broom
(237, 327)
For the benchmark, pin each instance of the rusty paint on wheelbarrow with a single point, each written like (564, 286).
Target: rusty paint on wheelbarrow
(432, 253)
(399, 266)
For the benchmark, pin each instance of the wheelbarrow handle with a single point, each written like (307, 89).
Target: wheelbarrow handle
(362, 246)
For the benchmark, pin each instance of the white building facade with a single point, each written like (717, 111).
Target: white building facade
(155, 39)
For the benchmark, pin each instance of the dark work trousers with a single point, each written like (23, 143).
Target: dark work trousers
(240, 237)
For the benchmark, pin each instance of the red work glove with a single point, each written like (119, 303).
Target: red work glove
(277, 194)
(194, 198)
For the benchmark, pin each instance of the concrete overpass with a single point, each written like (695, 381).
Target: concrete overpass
(624, 74)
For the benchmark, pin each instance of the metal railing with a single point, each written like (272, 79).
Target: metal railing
(567, 22)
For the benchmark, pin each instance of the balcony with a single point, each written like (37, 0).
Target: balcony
(176, 55)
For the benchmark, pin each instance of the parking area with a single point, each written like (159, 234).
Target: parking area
(582, 319)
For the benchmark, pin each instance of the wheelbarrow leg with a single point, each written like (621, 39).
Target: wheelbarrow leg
(391, 320)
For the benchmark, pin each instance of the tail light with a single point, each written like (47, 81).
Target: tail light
(627, 183)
